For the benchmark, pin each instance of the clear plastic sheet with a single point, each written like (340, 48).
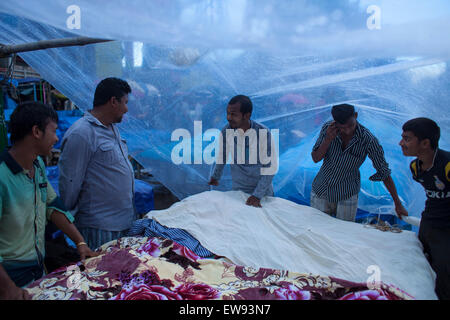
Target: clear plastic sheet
(295, 59)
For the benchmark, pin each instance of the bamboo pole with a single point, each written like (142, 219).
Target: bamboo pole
(6, 50)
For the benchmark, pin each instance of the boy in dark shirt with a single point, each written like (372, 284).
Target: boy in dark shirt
(431, 169)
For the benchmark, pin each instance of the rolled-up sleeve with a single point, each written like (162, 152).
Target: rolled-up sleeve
(265, 180)
(376, 154)
(54, 203)
(263, 184)
(73, 163)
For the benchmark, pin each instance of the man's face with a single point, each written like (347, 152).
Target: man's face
(119, 108)
(234, 116)
(48, 138)
(410, 144)
(348, 128)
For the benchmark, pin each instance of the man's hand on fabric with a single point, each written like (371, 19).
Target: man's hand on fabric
(15, 293)
(253, 201)
(400, 210)
(86, 252)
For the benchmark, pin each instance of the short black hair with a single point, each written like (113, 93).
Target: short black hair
(342, 112)
(245, 102)
(424, 128)
(108, 88)
(28, 114)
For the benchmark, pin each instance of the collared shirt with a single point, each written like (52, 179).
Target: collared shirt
(96, 179)
(25, 206)
(247, 177)
(436, 182)
(339, 177)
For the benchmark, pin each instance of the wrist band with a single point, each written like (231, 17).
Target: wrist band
(81, 243)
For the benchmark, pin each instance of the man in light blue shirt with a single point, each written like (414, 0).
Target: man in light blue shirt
(96, 177)
(250, 174)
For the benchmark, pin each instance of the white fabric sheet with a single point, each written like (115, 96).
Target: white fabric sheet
(288, 236)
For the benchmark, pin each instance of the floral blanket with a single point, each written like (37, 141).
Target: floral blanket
(141, 268)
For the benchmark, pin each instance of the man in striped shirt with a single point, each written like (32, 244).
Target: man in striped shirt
(344, 144)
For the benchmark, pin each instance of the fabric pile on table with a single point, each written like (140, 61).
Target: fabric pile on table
(141, 268)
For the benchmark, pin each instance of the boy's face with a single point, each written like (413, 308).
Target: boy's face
(47, 139)
(410, 144)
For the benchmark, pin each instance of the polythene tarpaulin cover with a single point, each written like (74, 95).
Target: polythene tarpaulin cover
(185, 59)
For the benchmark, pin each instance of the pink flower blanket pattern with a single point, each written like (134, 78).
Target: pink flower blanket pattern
(140, 268)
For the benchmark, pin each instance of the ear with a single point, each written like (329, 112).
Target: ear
(112, 101)
(247, 116)
(425, 143)
(356, 115)
(36, 132)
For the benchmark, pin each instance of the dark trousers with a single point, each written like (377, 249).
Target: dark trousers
(23, 273)
(436, 243)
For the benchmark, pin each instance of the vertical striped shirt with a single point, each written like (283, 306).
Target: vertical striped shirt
(339, 177)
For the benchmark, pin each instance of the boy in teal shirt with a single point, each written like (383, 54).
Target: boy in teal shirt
(27, 200)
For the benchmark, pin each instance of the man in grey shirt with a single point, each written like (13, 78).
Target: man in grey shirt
(96, 180)
(247, 175)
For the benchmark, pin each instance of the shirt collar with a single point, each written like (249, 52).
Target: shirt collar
(89, 117)
(420, 162)
(11, 163)
(358, 130)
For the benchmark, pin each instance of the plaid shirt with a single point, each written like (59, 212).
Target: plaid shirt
(339, 177)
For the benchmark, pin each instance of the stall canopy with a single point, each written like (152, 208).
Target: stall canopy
(185, 59)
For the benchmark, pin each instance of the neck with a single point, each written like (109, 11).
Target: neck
(101, 116)
(24, 155)
(245, 126)
(427, 158)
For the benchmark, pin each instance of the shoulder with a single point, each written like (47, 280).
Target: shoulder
(366, 133)
(444, 155)
(444, 159)
(259, 126)
(82, 128)
(414, 167)
(79, 126)
(324, 127)
(368, 137)
(225, 128)
(327, 124)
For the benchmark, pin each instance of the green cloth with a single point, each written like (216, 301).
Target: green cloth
(25, 206)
